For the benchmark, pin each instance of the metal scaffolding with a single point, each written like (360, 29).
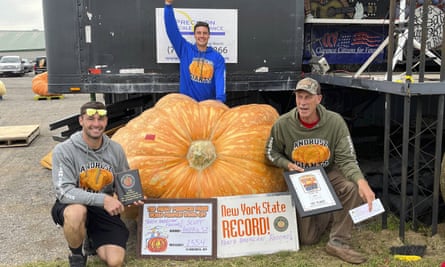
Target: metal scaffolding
(402, 42)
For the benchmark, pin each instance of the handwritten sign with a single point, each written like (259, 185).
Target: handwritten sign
(177, 228)
(256, 224)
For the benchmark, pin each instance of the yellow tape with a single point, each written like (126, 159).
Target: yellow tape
(406, 78)
(409, 77)
(407, 257)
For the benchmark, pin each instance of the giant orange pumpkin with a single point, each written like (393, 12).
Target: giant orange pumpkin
(40, 85)
(189, 149)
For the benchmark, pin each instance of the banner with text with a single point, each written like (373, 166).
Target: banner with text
(223, 25)
(345, 45)
(256, 224)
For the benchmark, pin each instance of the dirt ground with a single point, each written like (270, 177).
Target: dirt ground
(27, 233)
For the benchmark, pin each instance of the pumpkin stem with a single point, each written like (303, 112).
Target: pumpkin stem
(201, 154)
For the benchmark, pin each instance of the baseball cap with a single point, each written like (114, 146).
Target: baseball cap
(309, 85)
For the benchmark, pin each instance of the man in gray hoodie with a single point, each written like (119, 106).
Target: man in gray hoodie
(311, 125)
(84, 169)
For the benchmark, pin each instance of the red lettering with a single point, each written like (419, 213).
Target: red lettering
(155, 215)
(183, 208)
(233, 228)
(225, 211)
(225, 229)
(203, 208)
(245, 227)
(163, 208)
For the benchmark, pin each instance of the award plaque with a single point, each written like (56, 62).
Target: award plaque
(312, 192)
(128, 187)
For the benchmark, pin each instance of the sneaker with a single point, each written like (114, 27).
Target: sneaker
(343, 251)
(88, 247)
(78, 260)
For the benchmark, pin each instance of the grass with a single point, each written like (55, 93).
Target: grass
(368, 237)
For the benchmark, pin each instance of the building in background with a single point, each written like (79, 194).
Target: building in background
(26, 44)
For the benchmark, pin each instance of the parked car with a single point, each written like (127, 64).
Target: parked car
(27, 65)
(40, 65)
(11, 65)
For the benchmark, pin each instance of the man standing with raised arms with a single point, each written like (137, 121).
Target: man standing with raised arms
(202, 70)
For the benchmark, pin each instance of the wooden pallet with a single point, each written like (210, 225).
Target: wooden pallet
(49, 97)
(22, 135)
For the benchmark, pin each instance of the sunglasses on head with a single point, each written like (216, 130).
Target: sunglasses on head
(92, 111)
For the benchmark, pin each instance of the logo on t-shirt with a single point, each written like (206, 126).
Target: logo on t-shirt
(201, 70)
(311, 152)
(95, 179)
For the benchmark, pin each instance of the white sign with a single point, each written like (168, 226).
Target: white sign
(223, 32)
(256, 224)
(177, 228)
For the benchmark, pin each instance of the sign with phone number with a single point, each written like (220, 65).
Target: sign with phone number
(223, 32)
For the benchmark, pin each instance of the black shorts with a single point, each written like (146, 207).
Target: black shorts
(102, 228)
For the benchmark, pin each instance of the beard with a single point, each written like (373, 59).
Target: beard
(94, 133)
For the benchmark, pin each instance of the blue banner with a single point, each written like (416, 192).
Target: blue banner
(344, 45)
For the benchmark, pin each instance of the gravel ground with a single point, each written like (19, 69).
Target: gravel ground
(27, 232)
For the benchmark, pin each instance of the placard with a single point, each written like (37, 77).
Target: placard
(256, 224)
(177, 228)
(312, 192)
(128, 187)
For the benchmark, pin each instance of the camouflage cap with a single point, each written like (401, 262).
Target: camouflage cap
(309, 85)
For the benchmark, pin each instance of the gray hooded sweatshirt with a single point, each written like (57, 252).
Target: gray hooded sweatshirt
(84, 176)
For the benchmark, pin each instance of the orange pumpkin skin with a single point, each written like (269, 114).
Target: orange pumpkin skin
(189, 149)
(40, 84)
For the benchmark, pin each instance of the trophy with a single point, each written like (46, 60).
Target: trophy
(128, 187)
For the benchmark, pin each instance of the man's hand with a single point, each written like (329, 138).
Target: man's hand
(138, 203)
(293, 167)
(113, 206)
(168, 2)
(366, 192)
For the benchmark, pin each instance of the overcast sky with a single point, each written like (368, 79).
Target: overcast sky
(21, 15)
